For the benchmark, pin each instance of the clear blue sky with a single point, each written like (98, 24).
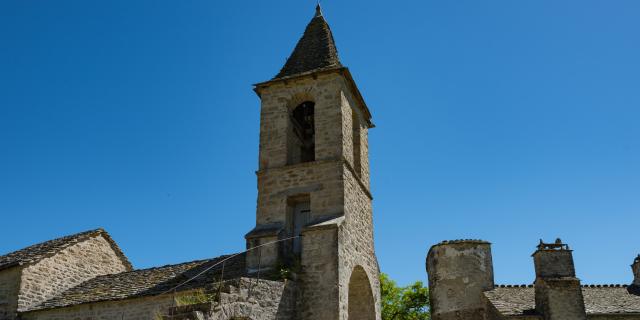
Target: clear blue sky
(506, 120)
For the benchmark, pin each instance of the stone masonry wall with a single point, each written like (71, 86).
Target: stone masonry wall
(330, 253)
(147, 308)
(9, 286)
(244, 297)
(247, 298)
(69, 267)
(320, 179)
(356, 243)
(319, 294)
(282, 97)
(463, 267)
(348, 107)
(560, 299)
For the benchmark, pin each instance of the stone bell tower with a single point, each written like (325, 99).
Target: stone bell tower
(313, 183)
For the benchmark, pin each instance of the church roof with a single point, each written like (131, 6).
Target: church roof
(600, 299)
(315, 51)
(149, 282)
(37, 252)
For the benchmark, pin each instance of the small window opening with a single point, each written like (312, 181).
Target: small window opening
(357, 162)
(298, 216)
(302, 145)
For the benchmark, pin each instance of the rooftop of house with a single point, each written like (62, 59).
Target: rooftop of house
(200, 274)
(37, 252)
(598, 299)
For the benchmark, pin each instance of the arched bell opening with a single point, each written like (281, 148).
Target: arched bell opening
(301, 144)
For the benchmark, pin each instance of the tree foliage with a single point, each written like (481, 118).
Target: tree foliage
(404, 303)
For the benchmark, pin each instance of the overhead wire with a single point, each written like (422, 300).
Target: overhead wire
(228, 258)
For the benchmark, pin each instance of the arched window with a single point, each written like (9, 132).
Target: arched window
(302, 134)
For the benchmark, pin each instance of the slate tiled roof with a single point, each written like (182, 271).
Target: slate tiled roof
(601, 299)
(148, 282)
(46, 249)
(315, 51)
(512, 300)
(615, 299)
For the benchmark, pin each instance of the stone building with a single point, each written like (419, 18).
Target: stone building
(461, 286)
(310, 255)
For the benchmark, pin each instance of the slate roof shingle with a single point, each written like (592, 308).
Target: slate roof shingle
(148, 282)
(46, 249)
(316, 50)
(610, 299)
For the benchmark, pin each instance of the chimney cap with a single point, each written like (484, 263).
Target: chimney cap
(557, 245)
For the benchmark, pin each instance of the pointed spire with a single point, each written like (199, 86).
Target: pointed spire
(315, 51)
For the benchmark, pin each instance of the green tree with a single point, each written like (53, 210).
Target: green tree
(404, 303)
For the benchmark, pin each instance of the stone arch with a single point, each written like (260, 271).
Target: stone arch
(299, 97)
(361, 304)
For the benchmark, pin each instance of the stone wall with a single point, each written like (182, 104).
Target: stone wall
(559, 299)
(146, 308)
(254, 299)
(321, 180)
(67, 268)
(459, 272)
(240, 298)
(356, 242)
(280, 98)
(319, 296)
(339, 235)
(9, 286)
(349, 111)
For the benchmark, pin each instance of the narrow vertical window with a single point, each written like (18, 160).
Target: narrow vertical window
(301, 142)
(298, 216)
(357, 163)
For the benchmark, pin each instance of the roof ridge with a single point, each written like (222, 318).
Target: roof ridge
(605, 285)
(171, 265)
(513, 285)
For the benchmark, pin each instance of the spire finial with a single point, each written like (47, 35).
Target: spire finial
(318, 10)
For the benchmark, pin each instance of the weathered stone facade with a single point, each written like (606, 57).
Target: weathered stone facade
(69, 267)
(459, 266)
(239, 298)
(33, 275)
(462, 287)
(146, 308)
(340, 201)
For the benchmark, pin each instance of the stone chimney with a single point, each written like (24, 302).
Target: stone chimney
(636, 271)
(459, 272)
(557, 290)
